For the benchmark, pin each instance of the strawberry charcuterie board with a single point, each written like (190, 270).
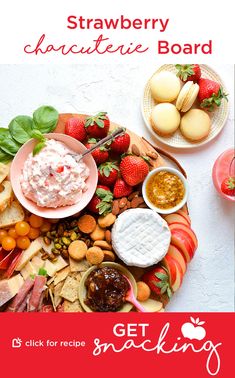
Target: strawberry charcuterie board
(132, 231)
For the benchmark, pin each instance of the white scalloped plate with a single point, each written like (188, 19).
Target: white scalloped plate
(218, 117)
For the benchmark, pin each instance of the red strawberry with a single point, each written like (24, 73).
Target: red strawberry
(98, 126)
(158, 281)
(189, 72)
(75, 127)
(108, 173)
(133, 169)
(210, 94)
(121, 189)
(100, 154)
(121, 144)
(101, 202)
(228, 186)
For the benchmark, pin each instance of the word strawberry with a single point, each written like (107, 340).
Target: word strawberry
(121, 189)
(100, 154)
(189, 72)
(228, 186)
(133, 169)
(121, 144)
(108, 173)
(101, 202)
(158, 281)
(98, 126)
(210, 94)
(75, 127)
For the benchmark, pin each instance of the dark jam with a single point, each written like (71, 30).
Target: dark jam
(106, 290)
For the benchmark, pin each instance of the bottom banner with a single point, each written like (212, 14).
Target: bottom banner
(117, 345)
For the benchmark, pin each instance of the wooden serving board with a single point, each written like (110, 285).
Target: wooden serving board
(143, 145)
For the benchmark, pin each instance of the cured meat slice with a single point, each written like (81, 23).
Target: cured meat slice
(20, 297)
(35, 298)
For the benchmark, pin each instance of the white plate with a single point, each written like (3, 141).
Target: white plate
(218, 117)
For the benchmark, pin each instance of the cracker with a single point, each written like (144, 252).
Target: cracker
(86, 224)
(69, 290)
(103, 244)
(77, 250)
(79, 266)
(72, 306)
(95, 255)
(61, 275)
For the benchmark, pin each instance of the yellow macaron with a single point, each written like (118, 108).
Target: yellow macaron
(187, 96)
(165, 119)
(165, 86)
(195, 125)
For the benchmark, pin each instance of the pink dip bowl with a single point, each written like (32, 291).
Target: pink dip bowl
(60, 212)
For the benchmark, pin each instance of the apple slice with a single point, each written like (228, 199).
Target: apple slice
(185, 215)
(179, 277)
(169, 264)
(152, 305)
(187, 229)
(175, 253)
(176, 218)
(181, 240)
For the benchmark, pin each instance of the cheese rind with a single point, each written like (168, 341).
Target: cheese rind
(9, 288)
(28, 254)
(140, 237)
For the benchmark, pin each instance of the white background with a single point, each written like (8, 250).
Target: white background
(99, 83)
(208, 283)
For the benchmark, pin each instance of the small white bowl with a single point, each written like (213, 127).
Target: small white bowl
(172, 209)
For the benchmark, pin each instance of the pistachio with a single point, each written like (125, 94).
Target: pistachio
(48, 235)
(57, 252)
(66, 241)
(65, 253)
(60, 230)
(74, 223)
(73, 236)
(46, 240)
(44, 256)
(58, 246)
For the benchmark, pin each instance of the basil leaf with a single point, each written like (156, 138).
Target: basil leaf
(38, 135)
(10, 146)
(4, 133)
(21, 128)
(38, 148)
(45, 119)
(4, 157)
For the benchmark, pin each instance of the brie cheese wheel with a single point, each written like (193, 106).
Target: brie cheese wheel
(140, 237)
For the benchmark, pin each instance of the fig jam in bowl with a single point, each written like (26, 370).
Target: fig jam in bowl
(165, 190)
(52, 184)
(103, 288)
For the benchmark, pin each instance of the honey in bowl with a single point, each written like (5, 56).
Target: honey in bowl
(165, 190)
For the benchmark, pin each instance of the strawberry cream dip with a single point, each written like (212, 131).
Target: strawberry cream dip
(53, 178)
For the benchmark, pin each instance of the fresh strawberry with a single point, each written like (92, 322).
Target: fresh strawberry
(133, 169)
(121, 189)
(189, 72)
(101, 202)
(121, 144)
(75, 127)
(98, 126)
(100, 154)
(108, 173)
(158, 281)
(228, 186)
(210, 94)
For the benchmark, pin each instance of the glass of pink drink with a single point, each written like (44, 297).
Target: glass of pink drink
(223, 168)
